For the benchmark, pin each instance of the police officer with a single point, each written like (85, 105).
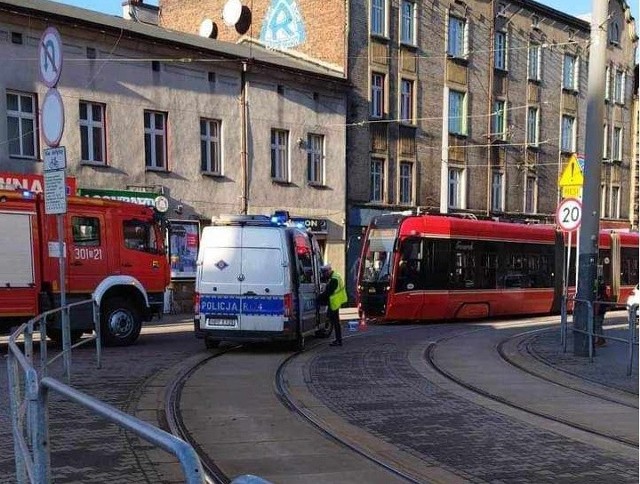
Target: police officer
(336, 295)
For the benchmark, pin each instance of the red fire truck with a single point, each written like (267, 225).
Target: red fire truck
(114, 251)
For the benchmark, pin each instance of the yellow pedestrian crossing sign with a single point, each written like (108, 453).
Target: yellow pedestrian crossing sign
(572, 174)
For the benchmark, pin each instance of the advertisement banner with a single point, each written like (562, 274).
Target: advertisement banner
(139, 198)
(32, 182)
(184, 237)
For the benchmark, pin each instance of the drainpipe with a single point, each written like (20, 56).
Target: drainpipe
(243, 140)
(490, 103)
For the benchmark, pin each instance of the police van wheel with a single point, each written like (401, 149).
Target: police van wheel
(120, 322)
(211, 344)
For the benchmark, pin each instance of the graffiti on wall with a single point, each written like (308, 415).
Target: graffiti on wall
(283, 26)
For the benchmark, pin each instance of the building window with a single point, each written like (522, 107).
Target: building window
(210, 146)
(568, 140)
(408, 23)
(498, 118)
(457, 112)
(315, 159)
(378, 17)
(21, 124)
(618, 87)
(377, 180)
(406, 183)
(604, 205)
(92, 133)
(457, 37)
(455, 188)
(616, 147)
(377, 95)
(280, 155)
(500, 51)
(614, 33)
(615, 202)
(607, 84)
(533, 126)
(406, 101)
(605, 143)
(530, 194)
(155, 140)
(497, 191)
(534, 69)
(570, 72)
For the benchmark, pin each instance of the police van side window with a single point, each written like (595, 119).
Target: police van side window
(139, 235)
(86, 231)
(304, 258)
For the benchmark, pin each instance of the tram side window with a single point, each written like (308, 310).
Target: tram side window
(436, 264)
(463, 265)
(410, 266)
(526, 266)
(629, 266)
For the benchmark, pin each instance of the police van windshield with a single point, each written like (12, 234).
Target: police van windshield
(377, 261)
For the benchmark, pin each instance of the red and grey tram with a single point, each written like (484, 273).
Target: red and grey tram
(433, 267)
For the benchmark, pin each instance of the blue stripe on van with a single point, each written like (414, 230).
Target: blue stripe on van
(249, 305)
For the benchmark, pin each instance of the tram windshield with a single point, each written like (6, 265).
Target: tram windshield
(377, 261)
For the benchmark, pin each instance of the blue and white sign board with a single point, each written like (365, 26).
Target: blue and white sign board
(55, 158)
(283, 25)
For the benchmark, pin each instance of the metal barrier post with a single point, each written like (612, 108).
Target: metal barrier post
(96, 328)
(43, 346)
(15, 397)
(590, 328)
(633, 312)
(563, 323)
(66, 343)
(40, 437)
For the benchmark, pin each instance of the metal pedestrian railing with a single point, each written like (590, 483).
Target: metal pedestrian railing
(631, 334)
(29, 397)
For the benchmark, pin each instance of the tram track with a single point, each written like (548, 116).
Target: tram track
(430, 358)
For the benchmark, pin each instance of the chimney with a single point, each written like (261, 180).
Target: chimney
(138, 11)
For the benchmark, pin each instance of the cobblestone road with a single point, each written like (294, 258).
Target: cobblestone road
(108, 453)
(370, 383)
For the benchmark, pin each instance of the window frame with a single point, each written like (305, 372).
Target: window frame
(563, 147)
(153, 132)
(407, 101)
(616, 143)
(574, 83)
(406, 183)
(455, 187)
(461, 36)
(377, 93)
(536, 135)
(463, 116)
(208, 139)
(384, 16)
(499, 119)
(619, 80)
(605, 142)
(499, 190)
(378, 178)
(614, 208)
(280, 155)
(21, 116)
(604, 202)
(412, 39)
(90, 125)
(530, 204)
(500, 57)
(316, 159)
(534, 47)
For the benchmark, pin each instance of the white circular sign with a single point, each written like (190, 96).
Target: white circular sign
(161, 204)
(52, 118)
(569, 214)
(231, 12)
(50, 56)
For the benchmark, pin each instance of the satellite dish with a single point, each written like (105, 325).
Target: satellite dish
(231, 12)
(206, 28)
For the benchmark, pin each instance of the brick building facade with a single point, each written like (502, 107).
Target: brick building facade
(467, 107)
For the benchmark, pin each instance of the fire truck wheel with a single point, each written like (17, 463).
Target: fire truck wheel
(121, 322)
(56, 336)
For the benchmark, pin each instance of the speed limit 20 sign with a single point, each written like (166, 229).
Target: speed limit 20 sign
(569, 214)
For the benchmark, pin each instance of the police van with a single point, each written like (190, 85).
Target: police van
(258, 279)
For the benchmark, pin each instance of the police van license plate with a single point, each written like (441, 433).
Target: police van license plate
(218, 322)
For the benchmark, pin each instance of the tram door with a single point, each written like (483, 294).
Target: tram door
(409, 282)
